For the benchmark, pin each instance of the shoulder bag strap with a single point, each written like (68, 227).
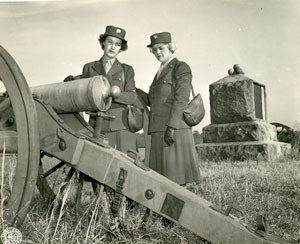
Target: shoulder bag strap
(192, 88)
(123, 77)
(193, 92)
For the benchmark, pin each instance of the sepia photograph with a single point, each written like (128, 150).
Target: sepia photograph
(135, 121)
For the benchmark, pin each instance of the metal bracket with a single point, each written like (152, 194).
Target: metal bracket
(101, 114)
(137, 159)
(78, 152)
(228, 209)
(62, 143)
(116, 204)
(261, 223)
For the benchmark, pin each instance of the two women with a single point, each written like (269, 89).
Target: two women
(172, 151)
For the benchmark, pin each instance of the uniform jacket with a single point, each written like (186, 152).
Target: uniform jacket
(127, 86)
(169, 96)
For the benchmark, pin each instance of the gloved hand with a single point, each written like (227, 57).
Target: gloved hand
(69, 78)
(169, 136)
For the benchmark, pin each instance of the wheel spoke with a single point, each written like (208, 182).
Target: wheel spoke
(52, 170)
(67, 179)
(79, 191)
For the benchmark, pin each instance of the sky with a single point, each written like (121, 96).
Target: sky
(53, 39)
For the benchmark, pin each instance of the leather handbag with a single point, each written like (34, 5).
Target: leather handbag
(135, 118)
(195, 111)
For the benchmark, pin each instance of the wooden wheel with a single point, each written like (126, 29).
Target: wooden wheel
(55, 175)
(284, 133)
(19, 122)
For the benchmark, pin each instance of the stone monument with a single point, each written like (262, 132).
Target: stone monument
(239, 129)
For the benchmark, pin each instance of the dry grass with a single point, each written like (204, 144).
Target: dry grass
(268, 188)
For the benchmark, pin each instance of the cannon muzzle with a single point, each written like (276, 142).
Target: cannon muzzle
(91, 94)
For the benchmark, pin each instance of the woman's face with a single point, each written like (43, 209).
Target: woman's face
(161, 52)
(112, 46)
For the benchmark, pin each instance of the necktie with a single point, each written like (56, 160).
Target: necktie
(160, 69)
(107, 66)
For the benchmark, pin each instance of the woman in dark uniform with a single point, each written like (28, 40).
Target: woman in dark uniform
(118, 74)
(172, 151)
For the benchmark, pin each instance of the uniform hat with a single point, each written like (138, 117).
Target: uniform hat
(162, 37)
(115, 31)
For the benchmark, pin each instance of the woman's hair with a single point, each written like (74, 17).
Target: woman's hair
(102, 38)
(172, 47)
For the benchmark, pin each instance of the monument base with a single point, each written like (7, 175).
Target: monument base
(241, 151)
(240, 132)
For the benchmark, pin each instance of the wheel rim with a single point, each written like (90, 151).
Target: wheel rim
(28, 147)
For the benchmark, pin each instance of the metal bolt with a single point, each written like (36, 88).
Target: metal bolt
(62, 145)
(149, 194)
(11, 121)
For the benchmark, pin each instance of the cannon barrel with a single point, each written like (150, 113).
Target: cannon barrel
(91, 94)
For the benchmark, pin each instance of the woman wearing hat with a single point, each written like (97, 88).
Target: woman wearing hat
(118, 74)
(172, 151)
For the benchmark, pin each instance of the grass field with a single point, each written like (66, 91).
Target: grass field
(257, 187)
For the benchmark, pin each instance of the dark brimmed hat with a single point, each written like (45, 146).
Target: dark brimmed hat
(114, 31)
(162, 37)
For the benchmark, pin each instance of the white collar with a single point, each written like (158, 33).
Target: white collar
(105, 60)
(169, 60)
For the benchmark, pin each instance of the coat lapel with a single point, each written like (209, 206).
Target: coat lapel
(166, 70)
(115, 68)
(98, 67)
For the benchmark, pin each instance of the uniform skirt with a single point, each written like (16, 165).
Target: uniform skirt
(122, 140)
(178, 162)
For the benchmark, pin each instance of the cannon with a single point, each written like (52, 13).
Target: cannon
(39, 121)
